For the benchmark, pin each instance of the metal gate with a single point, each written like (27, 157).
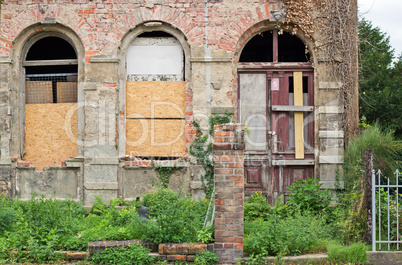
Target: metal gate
(386, 210)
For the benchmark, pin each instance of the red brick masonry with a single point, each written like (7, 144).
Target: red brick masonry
(229, 191)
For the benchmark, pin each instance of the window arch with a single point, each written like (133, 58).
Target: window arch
(155, 96)
(49, 98)
(274, 46)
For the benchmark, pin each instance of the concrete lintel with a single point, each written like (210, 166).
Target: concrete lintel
(331, 134)
(74, 164)
(330, 85)
(5, 60)
(105, 161)
(330, 159)
(222, 110)
(102, 59)
(211, 60)
(5, 162)
(330, 110)
(168, 163)
(101, 185)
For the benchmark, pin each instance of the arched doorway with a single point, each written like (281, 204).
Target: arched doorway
(276, 101)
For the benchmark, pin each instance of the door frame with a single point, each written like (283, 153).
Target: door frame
(267, 164)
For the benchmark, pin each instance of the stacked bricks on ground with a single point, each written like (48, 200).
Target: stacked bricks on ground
(170, 252)
(228, 151)
(212, 34)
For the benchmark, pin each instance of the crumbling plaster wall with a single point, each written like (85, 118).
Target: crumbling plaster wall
(212, 34)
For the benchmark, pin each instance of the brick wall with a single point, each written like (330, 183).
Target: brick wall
(102, 24)
(228, 151)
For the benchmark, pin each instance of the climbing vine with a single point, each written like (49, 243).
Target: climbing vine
(164, 174)
(201, 149)
(332, 26)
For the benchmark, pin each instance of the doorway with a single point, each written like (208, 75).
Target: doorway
(276, 102)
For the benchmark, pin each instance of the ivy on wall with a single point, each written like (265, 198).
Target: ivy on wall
(332, 26)
(201, 149)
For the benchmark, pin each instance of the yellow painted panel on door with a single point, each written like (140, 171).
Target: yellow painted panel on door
(298, 101)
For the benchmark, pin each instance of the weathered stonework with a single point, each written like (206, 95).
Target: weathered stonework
(212, 35)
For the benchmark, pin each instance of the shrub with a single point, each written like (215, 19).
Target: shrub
(386, 150)
(256, 206)
(353, 254)
(206, 234)
(7, 218)
(173, 219)
(206, 258)
(293, 235)
(44, 222)
(133, 254)
(307, 195)
(351, 204)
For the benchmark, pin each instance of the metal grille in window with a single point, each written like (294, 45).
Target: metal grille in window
(51, 88)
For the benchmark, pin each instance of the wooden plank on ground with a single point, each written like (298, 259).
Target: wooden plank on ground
(146, 137)
(51, 133)
(298, 117)
(155, 99)
(38, 92)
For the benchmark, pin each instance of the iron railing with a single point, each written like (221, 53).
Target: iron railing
(385, 204)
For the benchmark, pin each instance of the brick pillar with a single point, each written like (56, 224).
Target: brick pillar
(228, 151)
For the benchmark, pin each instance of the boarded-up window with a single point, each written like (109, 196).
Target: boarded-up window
(50, 102)
(155, 98)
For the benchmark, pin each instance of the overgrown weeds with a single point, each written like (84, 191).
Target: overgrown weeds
(42, 225)
(131, 255)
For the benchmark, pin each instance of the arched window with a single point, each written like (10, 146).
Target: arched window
(155, 96)
(50, 68)
(270, 46)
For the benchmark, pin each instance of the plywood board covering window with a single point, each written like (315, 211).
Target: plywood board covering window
(155, 97)
(155, 118)
(155, 137)
(51, 133)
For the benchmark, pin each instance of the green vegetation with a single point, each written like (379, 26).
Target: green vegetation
(206, 258)
(340, 254)
(380, 80)
(351, 211)
(288, 229)
(201, 149)
(163, 174)
(42, 225)
(131, 255)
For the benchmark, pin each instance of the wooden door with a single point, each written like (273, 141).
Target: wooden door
(277, 106)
